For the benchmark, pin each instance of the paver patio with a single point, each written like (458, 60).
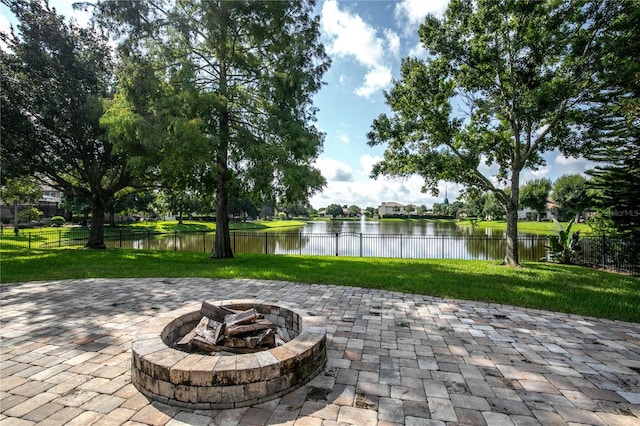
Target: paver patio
(393, 358)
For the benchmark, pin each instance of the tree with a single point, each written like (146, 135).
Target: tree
(129, 201)
(231, 84)
(501, 85)
(353, 210)
(56, 78)
(19, 190)
(334, 210)
(534, 194)
(296, 209)
(474, 204)
(613, 122)
(243, 207)
(570, 194)
(409, 209)
(371, 211)
(421, 210)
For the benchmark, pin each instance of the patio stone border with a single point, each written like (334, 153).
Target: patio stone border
(198, 381)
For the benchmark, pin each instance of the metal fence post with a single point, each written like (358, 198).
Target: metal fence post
(486, 247)
(29, 239)
(266, 241)
(59, 237)
(337, 235)
(400, 246)
(175, 240)
(360, 244)
(120, 232)
(604, 252)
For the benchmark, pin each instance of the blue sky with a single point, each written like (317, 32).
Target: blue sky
(366, 41)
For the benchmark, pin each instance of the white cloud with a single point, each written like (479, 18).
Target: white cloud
(374, 80)
(367, 192)
(411, 13)
(393, 42)
(418, 51)
(334, 170)
(367, 162)
(344, 137)
(350, 36)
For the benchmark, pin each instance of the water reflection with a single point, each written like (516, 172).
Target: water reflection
(415, 239)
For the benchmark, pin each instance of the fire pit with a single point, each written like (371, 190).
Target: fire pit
(222, 380)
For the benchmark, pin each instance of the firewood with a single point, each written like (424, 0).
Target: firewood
(187, 341)
(258, 325)
(241, 318)
(215, 312)
(209, 330)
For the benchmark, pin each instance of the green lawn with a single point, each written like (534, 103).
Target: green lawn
(35, 237)
(553, 287)
(540, 228)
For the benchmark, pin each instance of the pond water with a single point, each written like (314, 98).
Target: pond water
(403, 239)
(418, 227)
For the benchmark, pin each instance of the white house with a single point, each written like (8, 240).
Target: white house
(391, 208)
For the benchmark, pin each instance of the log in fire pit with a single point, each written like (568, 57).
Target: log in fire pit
(227, 354)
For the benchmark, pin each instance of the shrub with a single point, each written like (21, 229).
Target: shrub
(57, 220)
(30, 214)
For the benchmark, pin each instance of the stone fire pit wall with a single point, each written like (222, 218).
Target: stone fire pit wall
(214, 381)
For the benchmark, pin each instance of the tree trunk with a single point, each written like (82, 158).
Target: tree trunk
(511, 256)
(16, 228)
(222, 241)
(96, 231)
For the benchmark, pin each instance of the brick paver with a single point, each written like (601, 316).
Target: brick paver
(393, 358)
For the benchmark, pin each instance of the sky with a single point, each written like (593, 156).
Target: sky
(366, 41)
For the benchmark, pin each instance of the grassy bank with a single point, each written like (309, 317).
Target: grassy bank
(540, 228)
(35, 237)
(543, 286)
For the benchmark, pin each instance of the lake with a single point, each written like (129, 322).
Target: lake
(401, 239)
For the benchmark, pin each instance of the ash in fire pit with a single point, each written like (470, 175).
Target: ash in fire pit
(216, 376)
(226, 330)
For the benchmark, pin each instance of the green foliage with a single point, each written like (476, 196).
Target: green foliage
(55, 79)
(534, 195)
(353, 210)
(221, 92)
(522, 69)
(57, 220)
(613, 126)
(334, 210)
(564, 246)
(570, 193)
(24, 190)
(30, 214)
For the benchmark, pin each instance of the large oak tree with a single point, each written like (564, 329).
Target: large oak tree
(224, 92)
(56, 78)
(501, 85)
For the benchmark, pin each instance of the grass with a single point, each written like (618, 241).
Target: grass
(540, 228)
(561, 288)
(170, 226)
(35, 237)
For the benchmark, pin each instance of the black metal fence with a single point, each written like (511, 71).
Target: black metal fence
(603, 252)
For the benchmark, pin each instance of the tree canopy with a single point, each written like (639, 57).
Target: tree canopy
(502, 84)
(56, 80)
(613, 125)
(222, 91)
(570, 194)
(534, 194)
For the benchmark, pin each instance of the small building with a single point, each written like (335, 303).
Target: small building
(391, 208)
